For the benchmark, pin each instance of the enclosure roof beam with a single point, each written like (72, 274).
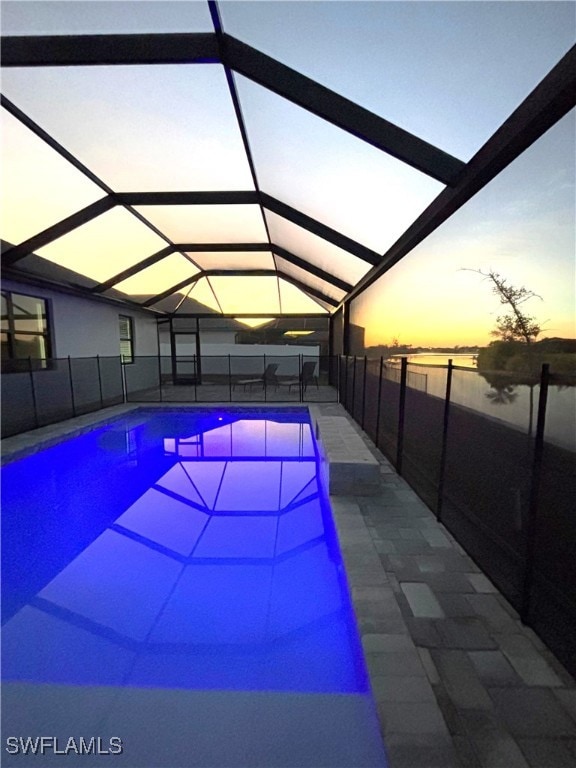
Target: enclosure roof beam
(307, 289)
(321, 230)
(311, 268)
(41, 281)
(133, 270)
(251, 197)
(86, 50)
(247, 197)
(12, 255)
(552, 98)
(268, 273)
(194, 48)
(15, 255)
(339, 111)
(51, 141)
(220, 247)
(231, 315)
(192, 247)
(217, 22)
(174, 289)
(239, 273)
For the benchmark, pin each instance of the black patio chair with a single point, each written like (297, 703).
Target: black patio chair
(267, 378)
(307, 377)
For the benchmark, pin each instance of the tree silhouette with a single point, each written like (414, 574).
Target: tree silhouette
(514, 327)
(502, 395)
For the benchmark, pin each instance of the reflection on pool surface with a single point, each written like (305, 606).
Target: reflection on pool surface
(189, 556)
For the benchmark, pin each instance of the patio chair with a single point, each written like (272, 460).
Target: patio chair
(306, 377)
(267, 378)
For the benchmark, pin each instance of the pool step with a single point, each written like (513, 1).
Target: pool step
(348, 466)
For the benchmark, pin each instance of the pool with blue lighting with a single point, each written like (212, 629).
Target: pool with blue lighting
(178, 574)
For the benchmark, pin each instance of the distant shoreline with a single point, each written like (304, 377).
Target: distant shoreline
(440, 358)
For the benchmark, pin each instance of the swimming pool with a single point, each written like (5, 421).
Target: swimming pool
(173, 579)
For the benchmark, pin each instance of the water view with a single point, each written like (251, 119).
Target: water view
(515, 404)
(439, 358)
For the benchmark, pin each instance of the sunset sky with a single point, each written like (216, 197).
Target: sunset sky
(450, 72)
(521, 225)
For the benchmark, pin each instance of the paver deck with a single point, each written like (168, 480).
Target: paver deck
(459, 681)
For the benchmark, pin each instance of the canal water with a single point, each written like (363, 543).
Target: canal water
(515, 404)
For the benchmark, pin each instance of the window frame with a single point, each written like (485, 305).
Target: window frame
(12, 363)
(129, 338)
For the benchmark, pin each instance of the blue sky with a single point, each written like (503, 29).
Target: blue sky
(450, 72)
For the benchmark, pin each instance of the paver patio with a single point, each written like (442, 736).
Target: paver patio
(458, 679)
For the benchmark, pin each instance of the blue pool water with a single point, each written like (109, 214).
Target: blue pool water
(190, 555)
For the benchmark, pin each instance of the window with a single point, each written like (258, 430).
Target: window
(25, 332)
(126, 339)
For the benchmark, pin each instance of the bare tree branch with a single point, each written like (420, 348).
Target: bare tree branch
(516, 326)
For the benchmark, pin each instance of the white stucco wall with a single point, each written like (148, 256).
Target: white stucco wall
(85, 328)
(217, 337)
(258, 350)
(252, 359)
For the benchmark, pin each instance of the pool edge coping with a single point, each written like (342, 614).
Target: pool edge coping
(28, 443)
(391, 654)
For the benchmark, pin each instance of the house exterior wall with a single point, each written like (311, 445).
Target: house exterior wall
(84, 328)
(79, 328)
